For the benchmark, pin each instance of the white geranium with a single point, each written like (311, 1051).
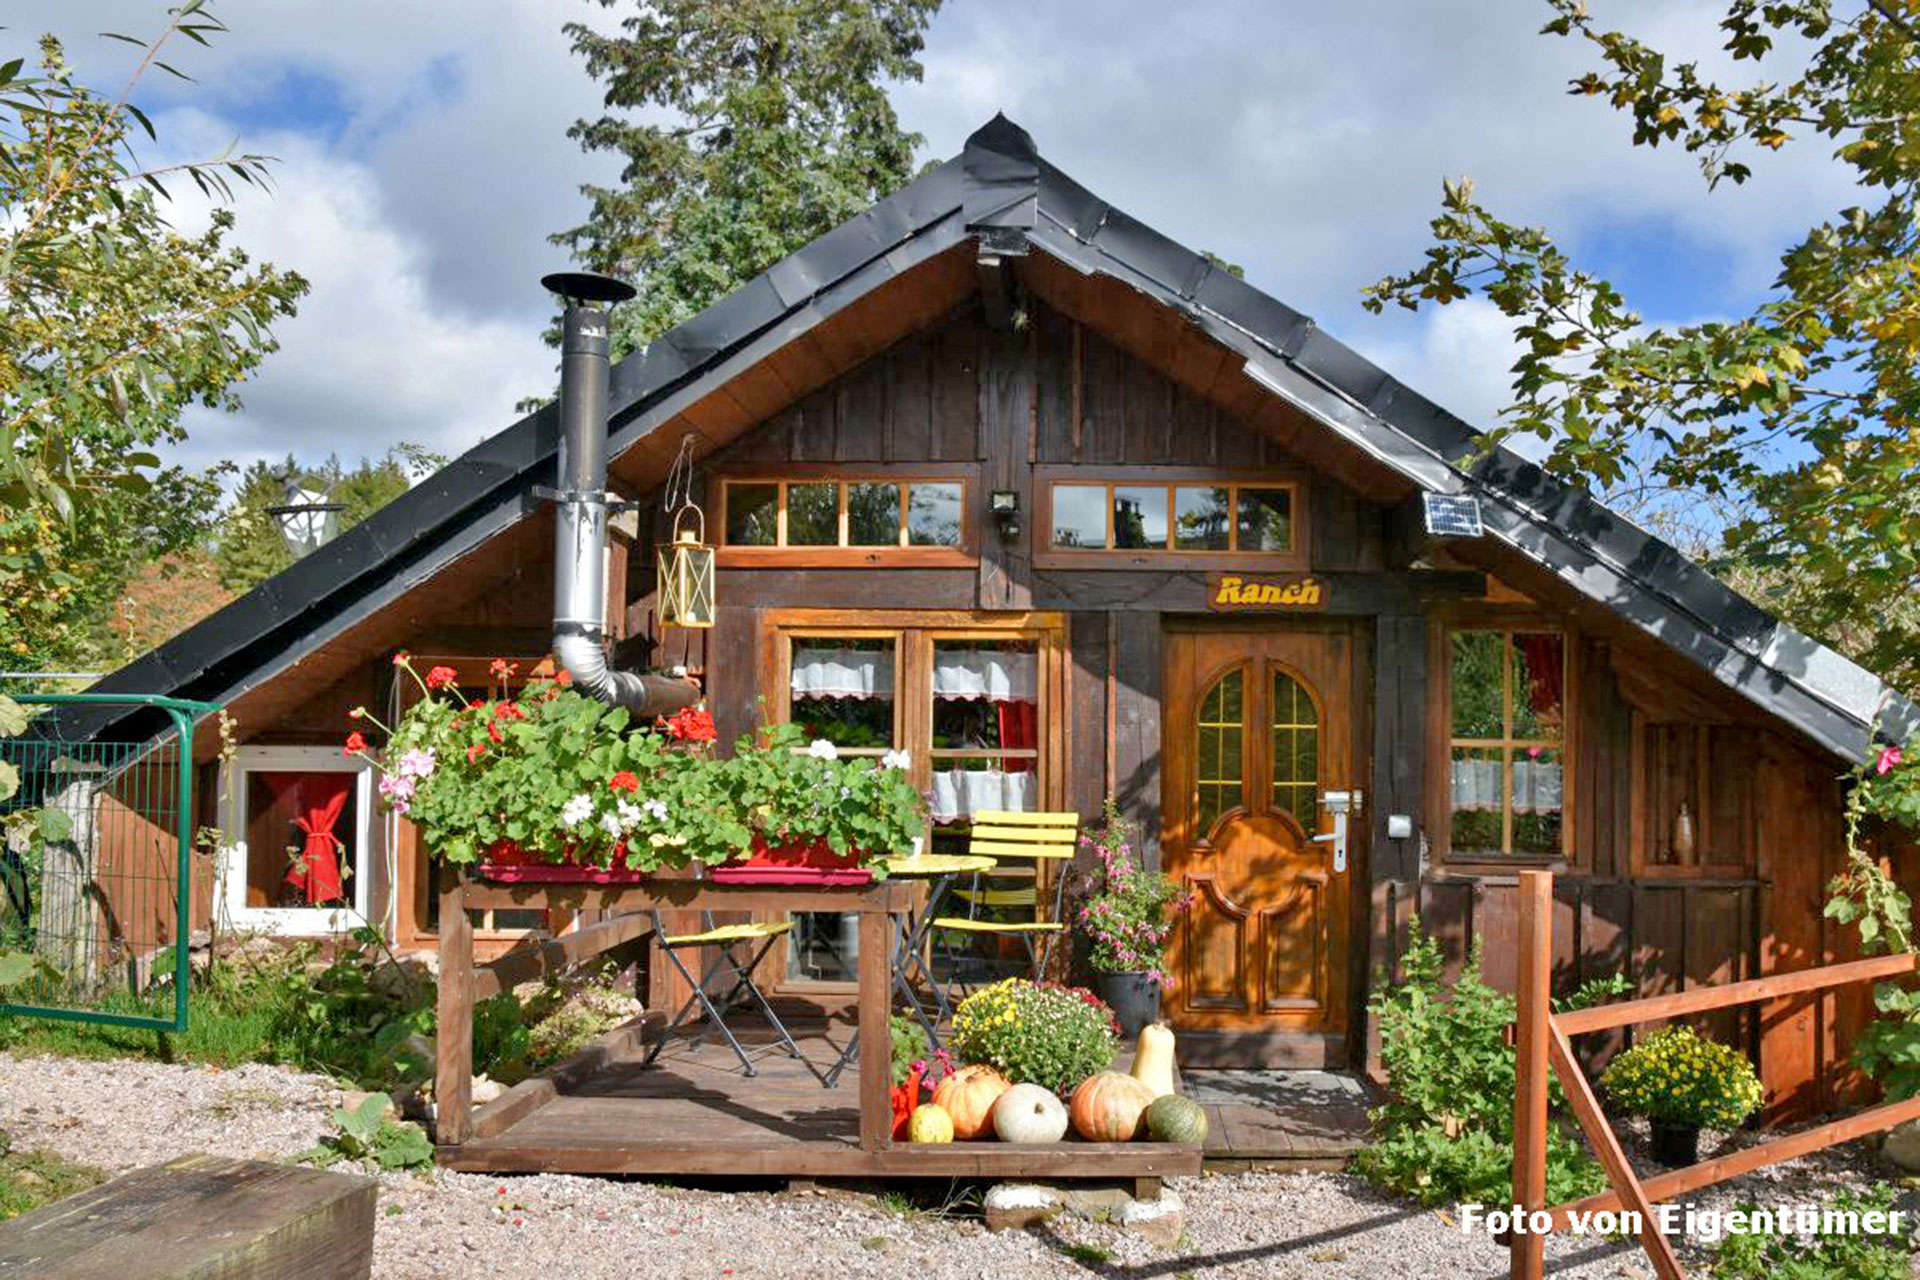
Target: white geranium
(656, 808)
(897, 760)
(628, 814)
(610, 823)
(821, 749)
(577, 810)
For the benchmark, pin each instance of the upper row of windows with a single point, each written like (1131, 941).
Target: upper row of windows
(871, 512)
(1172, 517)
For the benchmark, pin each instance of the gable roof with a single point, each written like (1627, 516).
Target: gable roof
(1001, 192)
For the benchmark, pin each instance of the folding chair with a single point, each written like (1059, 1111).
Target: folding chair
(725, 939)
(1036, 839)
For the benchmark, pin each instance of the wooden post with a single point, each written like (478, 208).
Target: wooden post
(1626, 1184)
(1527, 1251)
(875, 999)
(453, 1070)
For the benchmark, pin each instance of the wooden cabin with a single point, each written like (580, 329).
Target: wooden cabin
(1003, 478)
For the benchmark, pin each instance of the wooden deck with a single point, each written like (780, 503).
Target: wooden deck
(694, 1113)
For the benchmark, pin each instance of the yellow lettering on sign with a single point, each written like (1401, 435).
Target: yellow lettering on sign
(1232, 591)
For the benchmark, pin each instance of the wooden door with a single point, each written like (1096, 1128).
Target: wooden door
(1259, 726)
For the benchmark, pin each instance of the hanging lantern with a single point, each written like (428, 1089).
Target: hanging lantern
(685, 564)
(686, 577)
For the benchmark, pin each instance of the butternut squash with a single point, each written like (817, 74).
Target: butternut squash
(1153, 1059)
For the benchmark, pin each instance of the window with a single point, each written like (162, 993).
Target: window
(1295, 751)
(841, 688)
(1506, 691)
(856, 518)
(967, 704)
(1088, 523)
(1221, 770)
(299, 839)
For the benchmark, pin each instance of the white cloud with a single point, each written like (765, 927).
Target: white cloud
(1460, 357)
(372, 358)
(1305, 142)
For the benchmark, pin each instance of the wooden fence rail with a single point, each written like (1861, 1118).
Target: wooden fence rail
(1542, 1044)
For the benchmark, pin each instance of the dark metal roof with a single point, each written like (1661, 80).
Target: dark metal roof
(999, 181)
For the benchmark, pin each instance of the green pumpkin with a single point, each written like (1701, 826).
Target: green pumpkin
(1173, 1118)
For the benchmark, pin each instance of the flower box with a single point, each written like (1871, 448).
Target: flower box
(812, 862)
(508, 863)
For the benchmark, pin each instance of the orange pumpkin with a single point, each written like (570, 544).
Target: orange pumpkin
(1109, 1107)
(968, 1096)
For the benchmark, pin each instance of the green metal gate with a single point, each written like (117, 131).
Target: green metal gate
(97, 890)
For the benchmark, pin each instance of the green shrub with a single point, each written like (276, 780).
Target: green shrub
(1031, 1033)
(1821, 1256)
(1679, 1077)
(369, 1133)
(910, 1045)
(1445, 1133)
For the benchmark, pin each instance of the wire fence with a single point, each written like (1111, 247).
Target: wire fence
(96, 892)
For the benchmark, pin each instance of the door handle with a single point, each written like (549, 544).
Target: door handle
(1338, 805)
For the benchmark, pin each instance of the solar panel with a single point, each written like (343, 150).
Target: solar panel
(1449, 516)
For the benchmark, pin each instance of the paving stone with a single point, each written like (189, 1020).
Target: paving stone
(1011, 1206)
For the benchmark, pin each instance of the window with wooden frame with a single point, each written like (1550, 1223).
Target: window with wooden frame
(967, 697)
(1504, 718)
(1162, 516)
(831, 516)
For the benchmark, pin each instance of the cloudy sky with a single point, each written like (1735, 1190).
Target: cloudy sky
(423, 161)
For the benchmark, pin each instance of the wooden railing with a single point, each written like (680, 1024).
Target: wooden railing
(1543, 1043)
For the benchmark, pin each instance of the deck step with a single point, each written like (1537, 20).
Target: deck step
(199, 1216)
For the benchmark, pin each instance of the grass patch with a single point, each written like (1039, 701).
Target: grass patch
(1090, 1255)
(221, 1031)
(29, 1179)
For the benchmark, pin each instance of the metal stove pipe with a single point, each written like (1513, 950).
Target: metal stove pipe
(580, 507)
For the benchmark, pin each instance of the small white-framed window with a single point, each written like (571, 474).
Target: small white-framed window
(299, 839)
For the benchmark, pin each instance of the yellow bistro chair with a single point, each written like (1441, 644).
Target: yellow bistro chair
(736, 956)
(1037, 844)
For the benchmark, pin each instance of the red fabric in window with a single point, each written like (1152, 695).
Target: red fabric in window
(317, 800)
(1545, 662)
(1019, 731)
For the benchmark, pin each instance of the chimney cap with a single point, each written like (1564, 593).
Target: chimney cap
(587, 286)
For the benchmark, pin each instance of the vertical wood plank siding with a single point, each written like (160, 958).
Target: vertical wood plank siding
(1060, 391)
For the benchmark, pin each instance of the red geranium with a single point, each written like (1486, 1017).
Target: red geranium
(624, 781)
(356, 743)
(442, 678)
(400, 658)
(475, 751)
(690, 724)
(508, 711)
(502, 669)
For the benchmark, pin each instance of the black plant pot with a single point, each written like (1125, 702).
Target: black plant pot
(1135, 998)
(1676, 1145)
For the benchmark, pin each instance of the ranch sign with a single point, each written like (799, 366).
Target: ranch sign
(1230, 592)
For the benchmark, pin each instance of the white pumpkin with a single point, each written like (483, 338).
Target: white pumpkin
(1029, 1113)
(1153, 1059)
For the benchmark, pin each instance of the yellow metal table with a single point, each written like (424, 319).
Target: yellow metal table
(940, 870)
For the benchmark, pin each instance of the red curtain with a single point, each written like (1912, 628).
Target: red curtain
(1019, 731)
(317, 800)
(1543, 657)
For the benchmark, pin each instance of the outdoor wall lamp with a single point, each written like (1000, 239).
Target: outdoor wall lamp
(1004, 506)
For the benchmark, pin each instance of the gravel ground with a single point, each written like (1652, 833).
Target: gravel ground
(121, 1115)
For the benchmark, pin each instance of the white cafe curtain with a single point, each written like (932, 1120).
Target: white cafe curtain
(961, 793)
(987, 673)
(1536, 786)
(843, 673)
